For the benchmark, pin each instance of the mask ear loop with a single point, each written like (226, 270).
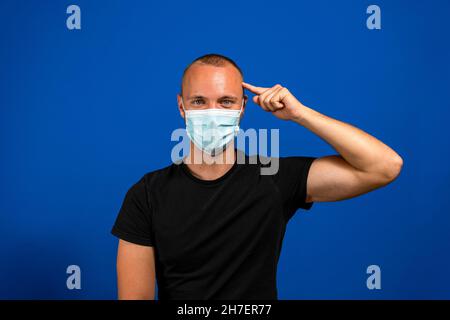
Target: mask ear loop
(242, 107)
(185, 113)
(236, 129)
(182, 105)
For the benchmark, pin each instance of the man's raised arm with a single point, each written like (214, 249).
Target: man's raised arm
(364, 163)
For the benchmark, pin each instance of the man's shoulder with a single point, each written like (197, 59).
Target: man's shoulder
(159, 175)
(274, 164)
(148, 183)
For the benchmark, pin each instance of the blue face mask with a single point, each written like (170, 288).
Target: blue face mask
(211, 130)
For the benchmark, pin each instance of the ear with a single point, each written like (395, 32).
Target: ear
(245, 104)
(180, 106)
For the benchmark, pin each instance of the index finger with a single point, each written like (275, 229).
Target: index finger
(254, 89)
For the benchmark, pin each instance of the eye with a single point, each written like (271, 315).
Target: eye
(227, 102)
(197, 101)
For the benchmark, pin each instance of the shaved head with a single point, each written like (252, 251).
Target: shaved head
(212, 59)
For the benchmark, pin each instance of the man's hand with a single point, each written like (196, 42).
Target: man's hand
(277, 100)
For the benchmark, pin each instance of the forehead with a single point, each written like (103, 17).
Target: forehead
(209, 80)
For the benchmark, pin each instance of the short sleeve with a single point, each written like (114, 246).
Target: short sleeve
(133, 222)
(291, 180)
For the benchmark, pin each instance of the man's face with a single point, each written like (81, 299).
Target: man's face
(207, 86)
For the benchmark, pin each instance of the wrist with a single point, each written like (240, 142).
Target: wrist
(300, 114)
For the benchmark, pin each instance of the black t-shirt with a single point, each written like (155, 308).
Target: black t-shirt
(218, 239)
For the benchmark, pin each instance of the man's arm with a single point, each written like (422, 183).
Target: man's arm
(364, 163)
(135, 271)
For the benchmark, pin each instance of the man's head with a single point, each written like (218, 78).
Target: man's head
(212, 81)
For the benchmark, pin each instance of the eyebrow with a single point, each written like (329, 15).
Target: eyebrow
(196, 97)
(221, 98)
(228, 97)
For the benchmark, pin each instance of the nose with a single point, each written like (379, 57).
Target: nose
(214, 105)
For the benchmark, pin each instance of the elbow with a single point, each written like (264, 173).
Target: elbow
(392, 168)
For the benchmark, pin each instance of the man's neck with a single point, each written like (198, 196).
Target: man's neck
(207, 167)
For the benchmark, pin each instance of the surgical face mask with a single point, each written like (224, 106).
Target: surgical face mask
(211, 130)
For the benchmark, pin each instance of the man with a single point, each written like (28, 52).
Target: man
(214, 229)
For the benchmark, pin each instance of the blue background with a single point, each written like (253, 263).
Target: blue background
(85, 113)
